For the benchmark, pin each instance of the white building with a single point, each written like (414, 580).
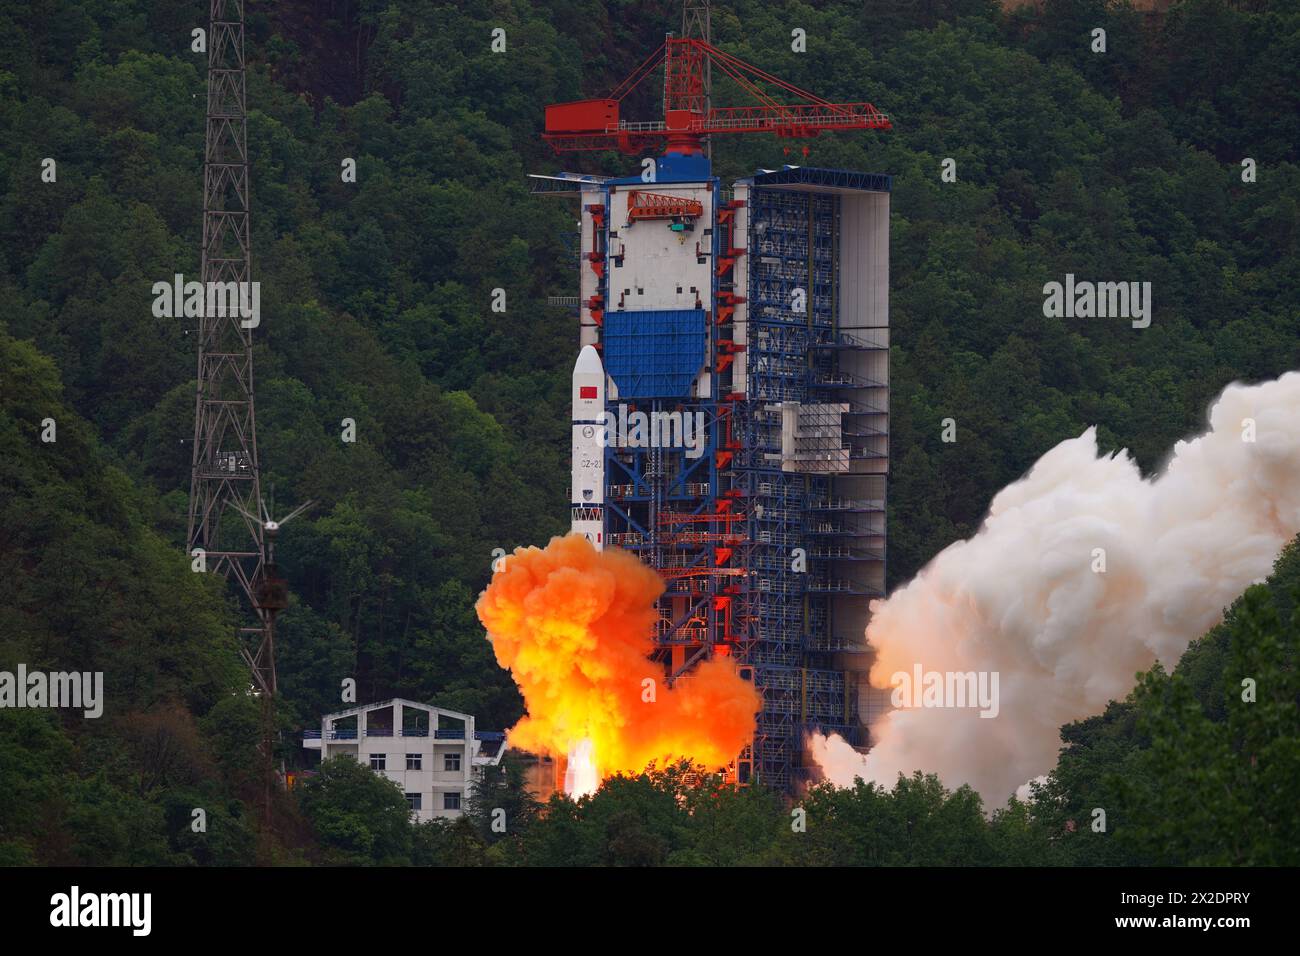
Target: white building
(434, 755)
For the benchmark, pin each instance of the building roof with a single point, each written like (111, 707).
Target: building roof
(360, 708)
(822, 180)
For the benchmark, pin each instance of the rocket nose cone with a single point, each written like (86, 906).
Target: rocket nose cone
(588, 362)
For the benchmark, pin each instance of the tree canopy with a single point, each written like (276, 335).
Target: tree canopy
(377, 307)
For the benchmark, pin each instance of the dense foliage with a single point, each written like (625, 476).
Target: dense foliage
(1185, 771)
(376, 304)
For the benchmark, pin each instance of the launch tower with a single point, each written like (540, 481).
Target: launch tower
(762, 308)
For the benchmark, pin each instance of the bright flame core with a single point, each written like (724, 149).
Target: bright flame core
(581, 778)
(573, 625)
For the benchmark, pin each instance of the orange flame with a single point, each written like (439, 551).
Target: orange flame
(573, 625)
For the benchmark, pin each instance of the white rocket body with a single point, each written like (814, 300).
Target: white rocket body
(587, 484)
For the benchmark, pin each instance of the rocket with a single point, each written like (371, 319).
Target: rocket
(587, 483)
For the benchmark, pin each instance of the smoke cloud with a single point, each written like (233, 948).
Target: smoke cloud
(574, 626)
(1025, 596)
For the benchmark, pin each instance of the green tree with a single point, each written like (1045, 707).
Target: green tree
(1219, 789)
(360, 817)
(501, 797)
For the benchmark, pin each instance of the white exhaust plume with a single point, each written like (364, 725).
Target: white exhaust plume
(1026, 596)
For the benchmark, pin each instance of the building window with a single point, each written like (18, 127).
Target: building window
(451, 761)
(415, 801)
(413, 762)
(378, 762)
(451, 801)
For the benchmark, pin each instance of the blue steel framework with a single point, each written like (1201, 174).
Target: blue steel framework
(793, 351)
(661, 503)
(722, 528)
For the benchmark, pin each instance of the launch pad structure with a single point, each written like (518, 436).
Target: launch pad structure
(769, 313)
(761, 309)
(765, 307)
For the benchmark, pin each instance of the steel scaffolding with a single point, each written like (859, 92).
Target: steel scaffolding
(798, 540)
(772, 541)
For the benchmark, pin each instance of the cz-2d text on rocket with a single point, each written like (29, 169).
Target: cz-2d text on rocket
(587, 482)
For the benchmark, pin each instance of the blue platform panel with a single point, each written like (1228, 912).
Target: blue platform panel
(655, 353)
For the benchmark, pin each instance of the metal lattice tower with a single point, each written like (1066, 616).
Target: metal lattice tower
(225, 485)
(696, 25)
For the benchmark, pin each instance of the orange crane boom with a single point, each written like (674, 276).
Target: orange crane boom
(595, 124)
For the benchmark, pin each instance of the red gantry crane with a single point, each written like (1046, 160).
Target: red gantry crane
(688, 115)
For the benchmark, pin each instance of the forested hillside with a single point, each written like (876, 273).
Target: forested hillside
(376, 306)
